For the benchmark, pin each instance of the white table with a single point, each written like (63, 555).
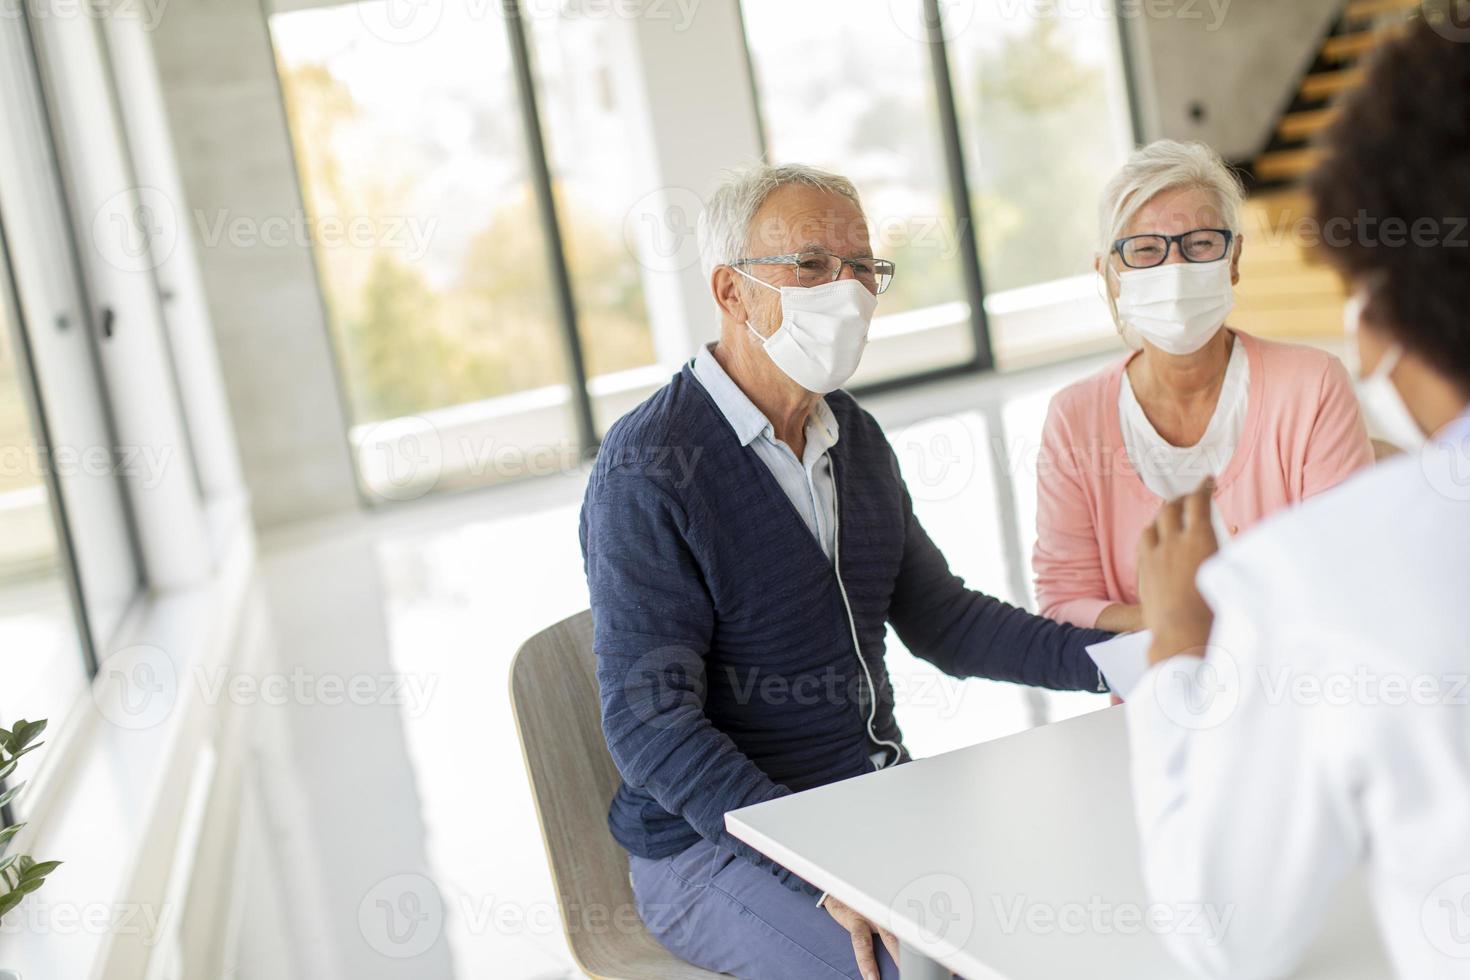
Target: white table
(1014, 859)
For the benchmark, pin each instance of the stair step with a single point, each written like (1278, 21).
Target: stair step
(1286, 164)
(1305, 125)
(1347, 47)
(1325, 84)
(1361, 10)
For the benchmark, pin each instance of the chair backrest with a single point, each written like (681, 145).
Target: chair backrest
(553, 693)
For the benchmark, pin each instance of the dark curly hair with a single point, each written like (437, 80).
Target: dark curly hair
(1392, 194)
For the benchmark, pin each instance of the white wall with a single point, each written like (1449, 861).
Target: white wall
(1237, 59)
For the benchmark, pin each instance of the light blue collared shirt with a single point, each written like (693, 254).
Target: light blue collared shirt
(807, 482)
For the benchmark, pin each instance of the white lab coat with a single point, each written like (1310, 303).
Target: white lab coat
(1329, 725)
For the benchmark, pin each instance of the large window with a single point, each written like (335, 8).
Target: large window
(41, 660)
(468, 229)
(854, 94)
(980, 142)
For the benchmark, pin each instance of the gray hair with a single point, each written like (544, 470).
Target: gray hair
(723, 231)
(1163, 165)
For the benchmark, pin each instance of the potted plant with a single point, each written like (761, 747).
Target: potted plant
(19, 873)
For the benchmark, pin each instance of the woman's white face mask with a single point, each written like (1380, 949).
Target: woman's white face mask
(823, 332)
(1386, 414)
(1177, 307)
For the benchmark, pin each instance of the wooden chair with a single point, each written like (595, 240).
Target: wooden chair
(553, 694)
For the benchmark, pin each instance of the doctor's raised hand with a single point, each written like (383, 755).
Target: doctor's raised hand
(1170, 553)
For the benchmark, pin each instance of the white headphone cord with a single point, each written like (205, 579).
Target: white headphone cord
(852, 623)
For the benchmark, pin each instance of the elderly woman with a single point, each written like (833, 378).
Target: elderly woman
(1273, 423)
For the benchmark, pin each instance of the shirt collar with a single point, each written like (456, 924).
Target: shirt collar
(744, 417)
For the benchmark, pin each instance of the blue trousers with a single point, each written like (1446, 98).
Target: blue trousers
(720, 912)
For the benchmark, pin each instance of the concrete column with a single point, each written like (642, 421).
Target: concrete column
(235, 161)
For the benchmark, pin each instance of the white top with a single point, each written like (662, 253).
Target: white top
(1015, 858)
(1171, 471)
(1326, 728)
(807, 482)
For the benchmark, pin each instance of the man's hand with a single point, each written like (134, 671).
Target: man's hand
(861, 931)
(1170, 552)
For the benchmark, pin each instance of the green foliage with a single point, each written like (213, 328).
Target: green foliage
(409, 346)
(19, 873)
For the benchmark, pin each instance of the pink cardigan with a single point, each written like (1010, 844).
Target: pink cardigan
(1303, 434)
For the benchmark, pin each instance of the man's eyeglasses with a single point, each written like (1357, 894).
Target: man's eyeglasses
(815, 268)
(1200, 245)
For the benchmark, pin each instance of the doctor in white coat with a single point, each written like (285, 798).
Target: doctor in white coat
(1308, 707)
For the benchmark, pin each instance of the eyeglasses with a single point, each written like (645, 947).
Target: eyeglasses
(1200, 245)
(815, 268)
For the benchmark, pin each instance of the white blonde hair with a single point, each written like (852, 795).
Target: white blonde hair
(1164, 165)
(723, 231)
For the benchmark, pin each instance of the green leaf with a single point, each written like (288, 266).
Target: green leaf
(39, 870)
(7, 768)
(11, 793)
(28, 748)
(25, 863)
(7, 861)
(28, 885)
(10, 832)
(10, 900)
(25, 732)
(7, 740)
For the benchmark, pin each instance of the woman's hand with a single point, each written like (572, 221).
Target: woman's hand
(1170, 552)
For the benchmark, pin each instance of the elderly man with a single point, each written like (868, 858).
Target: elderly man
(740, 600)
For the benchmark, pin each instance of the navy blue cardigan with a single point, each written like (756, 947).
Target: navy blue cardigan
(724, 654)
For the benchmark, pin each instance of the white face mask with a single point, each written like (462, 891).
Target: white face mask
(823, 332)
(1177, 307)
(1386, 414)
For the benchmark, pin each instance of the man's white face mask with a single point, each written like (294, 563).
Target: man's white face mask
(823, 332)
(1387, 415)
(1177, 307)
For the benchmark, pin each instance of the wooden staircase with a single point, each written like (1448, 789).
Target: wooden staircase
(1285, 290)
(1363, 25)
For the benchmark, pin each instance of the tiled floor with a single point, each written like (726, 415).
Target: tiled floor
(450, 588)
